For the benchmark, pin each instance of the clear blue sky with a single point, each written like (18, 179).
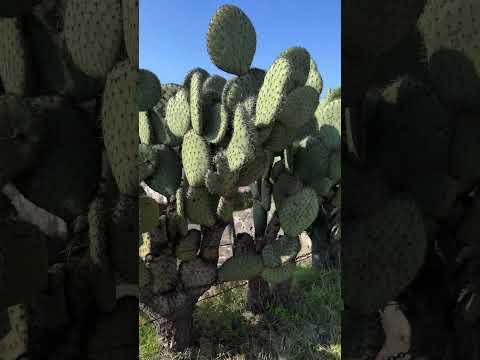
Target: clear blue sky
(173, 34)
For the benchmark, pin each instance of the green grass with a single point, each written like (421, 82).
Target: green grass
(307, 329)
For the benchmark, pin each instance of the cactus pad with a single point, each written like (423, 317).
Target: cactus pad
(120, 130)
(298, 211)
(240, 267)
(168, 172)
(299, 107)
(130, 29)
(196, 101)
(197, 273)
(279, 274)
(149, 90)
(382, 255)
(94, 35)
(314, 78)
(177, 114)
(148, 213)
(289, 71)
(164, 273)
(97, 232)
(213, 87)
(241, 148)
(231, 40)
(145, 130)
(200, 206)
(195, 158)
(240, 88)
(188, 246)
(13, 67)
(216, 121)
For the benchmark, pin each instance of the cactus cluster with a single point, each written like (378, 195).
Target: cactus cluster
(221, 136)
(411, 134)
(69, 177)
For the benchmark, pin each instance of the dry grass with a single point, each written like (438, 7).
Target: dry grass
(308, 329)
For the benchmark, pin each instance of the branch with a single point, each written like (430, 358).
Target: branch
(49, 224)
(159, 198)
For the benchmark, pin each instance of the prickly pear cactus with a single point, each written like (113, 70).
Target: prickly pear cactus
(226, 135)
(412, 189)
(68, 160)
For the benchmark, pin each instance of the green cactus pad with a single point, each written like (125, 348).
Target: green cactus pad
(285, 186)
(19, 281)
(322, 185)
(286, 248)
(298, 211)
(311, 151)
(240, 88)
(168, 91)
(195, 158)
(241, 267)
(286, 73)
(213, 87)
(298, 107)
(223, 181)
(145, 130)
(146, 158)
(196, 101)
(54, 72)
(97, 233)
(270, 259)
(197, 273)
(120, 126)
(231, 40)
(381, 255)
(177, 226)
(200, 206)
(149, 90)
(279, 138)
(255, 168)
(94, 35)
(162, 134)
(187, 82)
(14, 72)
(278, 275)
(242, 146)
(451, 34)
(216, 121)
(314, 78)
(188, 246)
(130, 29)
(177, 114)
(148, 214)
(329, 117)
(168, 171)
(180, 201)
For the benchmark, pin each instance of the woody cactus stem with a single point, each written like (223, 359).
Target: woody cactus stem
(171, 314)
